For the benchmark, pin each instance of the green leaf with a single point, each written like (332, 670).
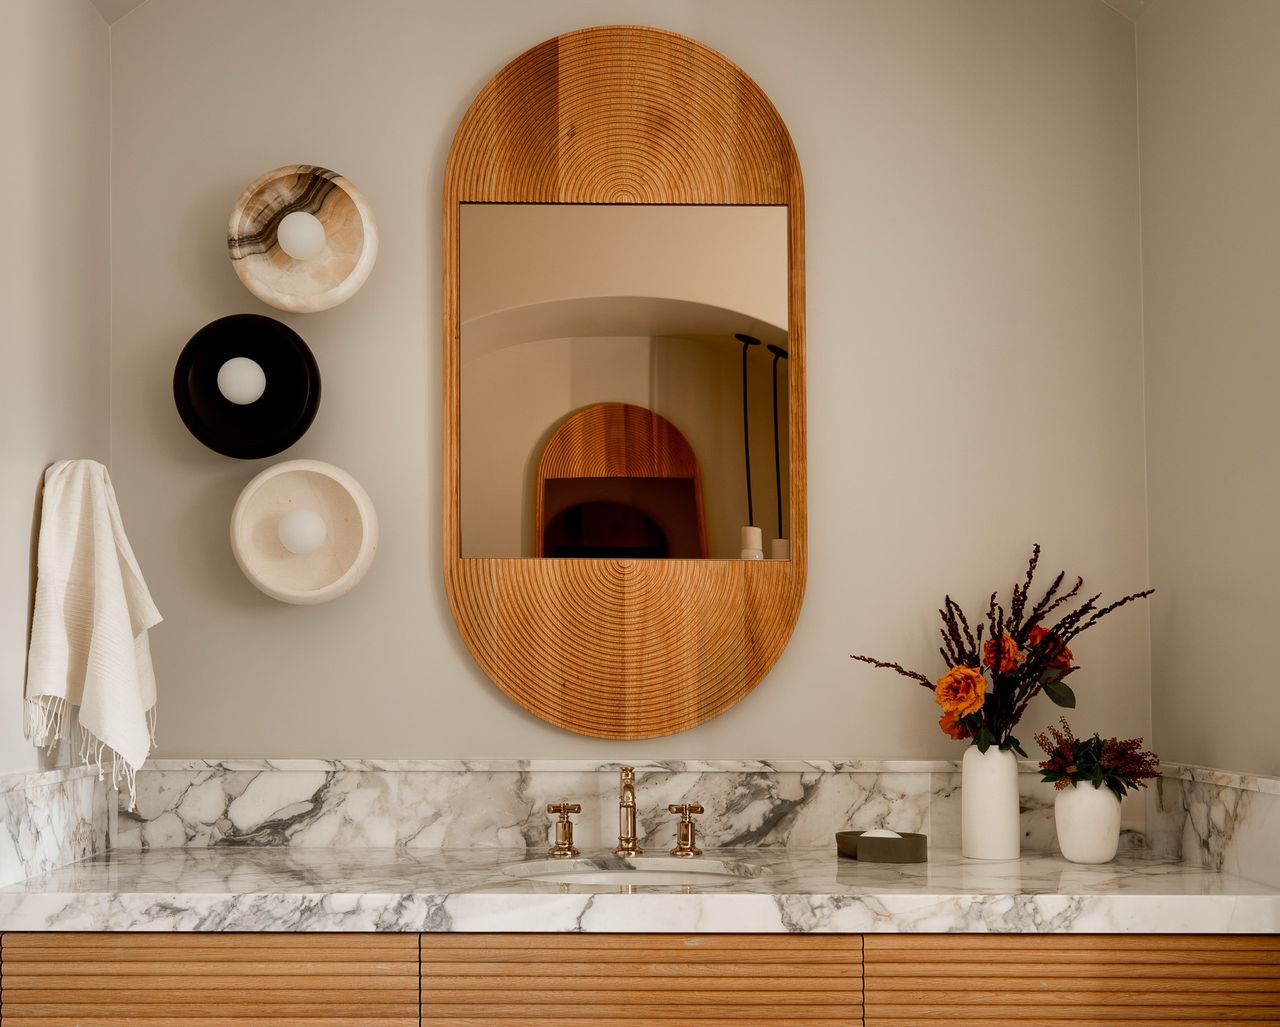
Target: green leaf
(1011, 743)
(1061, 694)
(984, 739)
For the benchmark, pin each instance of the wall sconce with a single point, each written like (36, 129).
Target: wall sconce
(302, 238)
(304, 532)
(247, 386)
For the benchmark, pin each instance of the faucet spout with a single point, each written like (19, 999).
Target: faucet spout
(627, 814)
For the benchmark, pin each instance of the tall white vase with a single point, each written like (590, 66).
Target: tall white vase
(989, 826)
(1088, 823)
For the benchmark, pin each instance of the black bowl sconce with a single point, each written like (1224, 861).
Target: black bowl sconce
(247, 386)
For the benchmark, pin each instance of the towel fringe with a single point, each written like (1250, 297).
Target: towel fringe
(44, 722)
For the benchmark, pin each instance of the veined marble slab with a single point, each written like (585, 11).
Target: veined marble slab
(805, 891)
(50, 818)
(1217, 820)
(425, 804)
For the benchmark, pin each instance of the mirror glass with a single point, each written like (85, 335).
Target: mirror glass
(604, 413)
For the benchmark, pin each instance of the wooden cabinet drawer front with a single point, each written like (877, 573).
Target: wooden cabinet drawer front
(210, 980)
(958, 980)
(630, 980)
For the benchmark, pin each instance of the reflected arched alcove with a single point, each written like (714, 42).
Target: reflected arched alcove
(620, 480)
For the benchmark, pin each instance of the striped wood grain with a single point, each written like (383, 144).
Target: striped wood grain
(1068, 980)
(641, 980)
(624, 648)
(209, 980)
(617, 440)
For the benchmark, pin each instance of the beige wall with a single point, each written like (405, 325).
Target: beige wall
(1207, 88)
(54, 291)
(974, 346)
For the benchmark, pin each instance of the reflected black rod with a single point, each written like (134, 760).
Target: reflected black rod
(778, 354)
(747, 342)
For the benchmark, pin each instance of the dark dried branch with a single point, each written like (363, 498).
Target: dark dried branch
(1020, 593)
(1109, 609)
(886, 665)
(1066, 597)
(964, 622)
(1039, 608)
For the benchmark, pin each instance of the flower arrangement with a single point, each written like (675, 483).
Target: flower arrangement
(988, 684)
(1120, 764)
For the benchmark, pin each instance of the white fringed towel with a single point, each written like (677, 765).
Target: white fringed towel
(89, 644)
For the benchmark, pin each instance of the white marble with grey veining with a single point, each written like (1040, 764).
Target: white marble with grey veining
(50, 818)
(787, 890)
(502, 803)
(1217, 820)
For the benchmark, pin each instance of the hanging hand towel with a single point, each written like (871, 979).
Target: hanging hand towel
(89, 644)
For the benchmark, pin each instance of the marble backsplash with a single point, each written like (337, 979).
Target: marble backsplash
(1217, 820)
(49, 819)
(502, 803)
(1207, 818)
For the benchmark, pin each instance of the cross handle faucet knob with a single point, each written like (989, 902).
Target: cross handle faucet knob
(563, 848)
(686, 830)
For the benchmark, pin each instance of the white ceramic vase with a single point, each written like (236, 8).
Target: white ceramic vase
(989, 826)
(1088, 823)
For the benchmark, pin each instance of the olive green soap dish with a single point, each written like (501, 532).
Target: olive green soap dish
(882, 846)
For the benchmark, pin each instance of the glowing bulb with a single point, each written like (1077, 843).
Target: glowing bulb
(242, 381)
(301, 235)
(302, 531)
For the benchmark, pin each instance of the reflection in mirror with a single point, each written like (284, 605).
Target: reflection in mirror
(604, 408)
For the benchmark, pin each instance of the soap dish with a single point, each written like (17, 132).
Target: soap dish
(905, 848)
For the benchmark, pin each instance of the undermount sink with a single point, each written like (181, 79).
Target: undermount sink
(637, 870)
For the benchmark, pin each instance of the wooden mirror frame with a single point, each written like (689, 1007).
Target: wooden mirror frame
(623, 648)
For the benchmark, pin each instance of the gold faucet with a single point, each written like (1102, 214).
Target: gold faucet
(627, 814)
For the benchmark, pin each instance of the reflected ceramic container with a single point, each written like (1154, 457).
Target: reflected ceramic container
(1088, 822)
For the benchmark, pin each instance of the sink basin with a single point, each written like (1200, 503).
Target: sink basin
(638, 870)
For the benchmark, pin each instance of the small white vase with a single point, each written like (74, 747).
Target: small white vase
(1088, 823)
(989, 826)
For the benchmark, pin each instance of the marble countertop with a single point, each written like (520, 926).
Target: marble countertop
(293, 889)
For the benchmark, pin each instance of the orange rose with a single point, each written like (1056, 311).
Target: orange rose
(1060, 655)
(960, 691)
(951, 726)
(1009, 655)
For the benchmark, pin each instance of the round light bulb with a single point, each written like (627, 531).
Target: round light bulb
(301, 235)
(302, 531)
(242, 381)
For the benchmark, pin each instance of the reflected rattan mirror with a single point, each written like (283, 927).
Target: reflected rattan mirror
(625, 647)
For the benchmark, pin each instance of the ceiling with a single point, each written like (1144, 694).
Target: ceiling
(114, 10)
(1129, 8)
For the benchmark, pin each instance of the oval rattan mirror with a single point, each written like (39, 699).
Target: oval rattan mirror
(626, 647)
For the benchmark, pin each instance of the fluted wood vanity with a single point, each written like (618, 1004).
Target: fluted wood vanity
(636, 980)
